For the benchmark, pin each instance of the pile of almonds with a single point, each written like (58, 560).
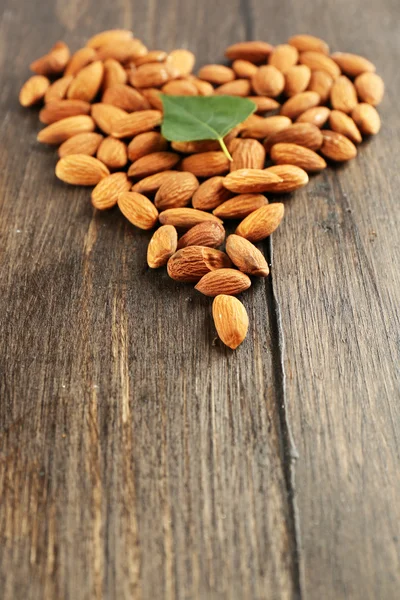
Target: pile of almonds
(102, 107)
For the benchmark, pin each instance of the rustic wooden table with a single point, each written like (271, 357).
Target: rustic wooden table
(138, 459)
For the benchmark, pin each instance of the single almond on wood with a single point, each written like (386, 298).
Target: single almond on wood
(245, 256)
(112, 153)
(87, 82)
(262, 222)
(353, 64)
(114, 74)
(230, 320)
(317, 116)
(216, 74)
(321, 83)
(337, 147)
(265, 127)
(110, 36)
(210, 194)
(248, 154)
(177, 191)
(135, 123)
(81, 58)
(239, 87)
(366, 118)
(283, 57)
(319, 62)
(206, 164)
(182, 61)
(185, 218)
(305, 42)
(268, 81)
(125, 97)
(204, 234)
(106, 115)
(58, 89)
(150, 185)
(240, 206)
(244, 68)
(310, 161)
(62, 130)
(146, 143)
(293, 178)
(223, 281)
(297, 79)
(250, 181)
(191, 263)
(33, 90)
(343, 94)
(342, 123)
(299, 103)
(162, 246)
(153, 163)
(138, 209)
(255, 52)
(81, 169)
(370, 88)
(105, 194)
(82, 143)
(303, 134)
(61, 109)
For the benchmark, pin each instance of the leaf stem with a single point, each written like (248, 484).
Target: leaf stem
(225, 149)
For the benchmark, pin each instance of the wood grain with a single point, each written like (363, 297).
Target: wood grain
(138, 458)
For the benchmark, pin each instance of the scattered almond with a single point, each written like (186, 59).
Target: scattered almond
(123, 51)
(299, 103)
(210, 194)
(310, 161)
(250, 181)
(266, 127)
(58, 89)
(303, 134)
(321, 82)
(244, 68)
(180, 87)
(114, 74)
(283, 57)
(87, 82)
(255, 52)
(204, 234)
(366, 118)
(111, 36)
(152, 75)
(305, 43)
(297, 79)
(33, 90)
(342, 123)
(293, 178)
(112, 153)
(248, 154)
(106, 115)
(206, 164)
(370, 88)
(352, 64)
(125, 97)
(153, 163)
(262, 222)
(135, 123)
(150, 185)
(138, 210)
(319, 62)
(81, 169)
(105, 194)
(239, 87)
(343, 94)
(230, 320)
(176, 192)
(52, 63)
(223, 281)
(182, 61)
(192, 262)
(216, 74)
(268, 81)
(82, 143)
(337, 147)
(185, 218)
(240, 206)
(81, 58)
(264, 104)
(62, 130)
(146, 143)
(162, 246)
(246, 257)
(61, 109)
(317, 116)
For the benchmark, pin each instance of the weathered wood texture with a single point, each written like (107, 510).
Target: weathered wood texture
(138, 459)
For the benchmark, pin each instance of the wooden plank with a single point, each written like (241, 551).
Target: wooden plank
(138, 459)
(337, 282)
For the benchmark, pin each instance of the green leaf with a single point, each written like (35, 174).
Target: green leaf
(194, 118)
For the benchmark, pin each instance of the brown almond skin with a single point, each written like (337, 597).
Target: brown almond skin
(180, 87)
(105, 194)
(262, 222)
(125, 97)
(321, 82)
(305, 42)
(230, 320)
(82, 143)
(108, 36)
(216, 74)
(182, 61)
(223, 281)
(191, 263)
(297, 79)
(151, 75)
(299, 103)
(204, 234)
(153, 163)
(81, 169)
(303, 134)
(162, 246)
(196, 147)
(87, 82)
(123, 51)
(105, 115)
(248, 154)
(240, 206)
(366, 118)
(264, 104)
(146, 143)
(244, 68)
(157, 56)
(58, 132)
(112, 153)
(268, 81)
(352, 64)
(52, 63)
(250, 181)
(256, 51)
(58, 89)
(293, 178)
(317, 116)
(203, 87)
(150, 185)
(114, 74)
(185, 218)
(61, 109)
(176, 192)
(343, 94)
(318, 62)
(344, 124)
(153, 97)
(33, 90)
(299, 156)
(138, 210)
(370, 88)
(266, 127)
(283, 57)
(137, 122)
(81, 58)
(210, 194)
(246, 257)
(239, 87)
(337, 147)
(206, 164)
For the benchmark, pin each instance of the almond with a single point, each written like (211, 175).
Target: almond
(250, 181)
(262, 222)
(255, 52)
(125, 97)
(342, 123)
(204, 234)
(203, 87)
(105, 194)
(196, 147)
(138, 210)
(343, 94)
(206, 164)
(319, 62)
(182, 61)
(33, 90)
(370, 88)
(266, 127)
(62, 130)
(299, 156)
(240, 206)
(244, 69)
(298, 104)
(305, 42)
(135, 123)
(303, 134)
(153, 163)
(110, 36)
(180, 87)
(152, 75)
(230, 320)
(87, 82)
(114, 74)
(239, 87)
(293, 178)
(223, 281)
(185, 218)
(122, 51)
(317, 116)
(112, 153)
(246, 257)
(248, 154)
(146, 143)
(61, 109)
(264, 104)
(81, 58)
(81, 169)
(106, 115)
(337, 147)
(154, 56)
(210, 194)
(162, 246)
(82, 143)
(283, 57)
(321, 82)
(352, 64)
(58, 89)
(191, 263)
(52, 63)
(150, 185)
(268, 81)
(366, 118)
(216, 74)
(176, 192)
(297, 79)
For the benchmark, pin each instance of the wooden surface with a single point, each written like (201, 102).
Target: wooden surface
(139, 459)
